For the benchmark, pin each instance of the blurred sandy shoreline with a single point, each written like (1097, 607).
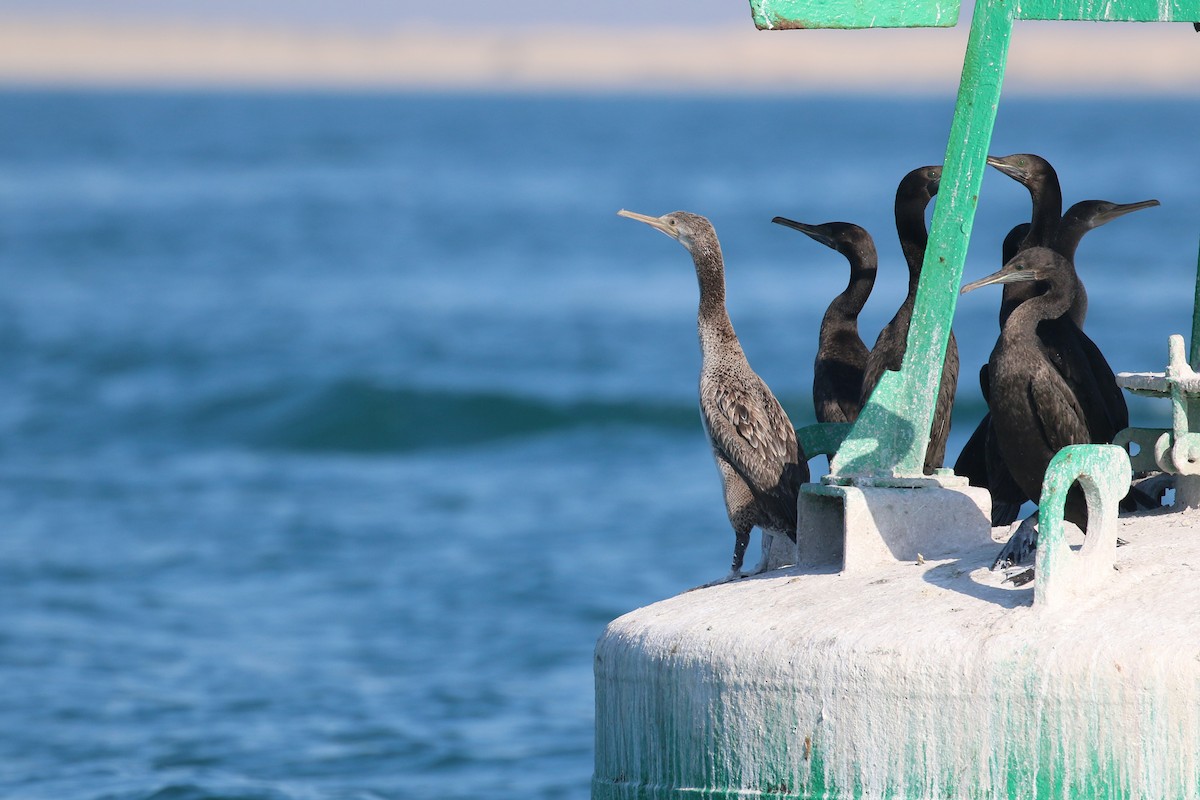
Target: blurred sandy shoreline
(1045, 58)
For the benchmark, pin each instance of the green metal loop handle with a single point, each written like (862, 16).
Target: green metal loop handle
(1104, 473)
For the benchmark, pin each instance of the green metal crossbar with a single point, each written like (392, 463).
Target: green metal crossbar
(889, 440)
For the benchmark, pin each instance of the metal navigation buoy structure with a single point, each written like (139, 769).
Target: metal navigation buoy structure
(888, 661)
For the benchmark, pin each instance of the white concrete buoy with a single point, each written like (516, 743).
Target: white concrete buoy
(921, 678)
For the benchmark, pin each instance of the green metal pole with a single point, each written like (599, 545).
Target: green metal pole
(891, 435)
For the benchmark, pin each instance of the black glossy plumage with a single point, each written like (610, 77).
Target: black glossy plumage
(913, 196)
(1080, 218)
(982, 465)
(841, 353)
(753, 442)
(1050, 386)
(1045, 192)
(980, 462)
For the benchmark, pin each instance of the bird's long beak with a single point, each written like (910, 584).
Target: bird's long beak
(815, 231)
(1122, 210)
(1005, 275)
(1014, 172)
(654, 222)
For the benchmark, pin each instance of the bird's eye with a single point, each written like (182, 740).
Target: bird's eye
(672, 222)
(1020, 162)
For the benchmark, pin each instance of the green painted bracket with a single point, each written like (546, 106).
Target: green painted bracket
(1152, 445)
(1104, 473)
(892, 433)
(822, 438)
(1175, 450)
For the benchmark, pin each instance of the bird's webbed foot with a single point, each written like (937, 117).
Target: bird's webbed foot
(1020, 545)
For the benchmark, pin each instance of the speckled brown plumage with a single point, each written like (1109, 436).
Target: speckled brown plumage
(753, 442)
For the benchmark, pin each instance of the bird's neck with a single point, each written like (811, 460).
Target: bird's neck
(1050, 304)
(1015, 294)
(1068, 237)
(716, 329)
(910, 226)
(850, 302)
(1047, 212)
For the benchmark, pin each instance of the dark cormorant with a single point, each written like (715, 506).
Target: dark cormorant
(1049, 227)
(841, 353)
(1080, 218)
(980, 463)
(753, 442)
(1050, 386)
(1036, 175)
(913, 195)
(972, 460)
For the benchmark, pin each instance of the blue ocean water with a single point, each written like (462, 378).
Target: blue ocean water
(335, 427)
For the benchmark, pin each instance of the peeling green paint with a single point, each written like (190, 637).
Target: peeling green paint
(793, 14)
(1103, 471)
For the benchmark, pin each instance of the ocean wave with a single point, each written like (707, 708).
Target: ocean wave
(358, 416)
(361, 416)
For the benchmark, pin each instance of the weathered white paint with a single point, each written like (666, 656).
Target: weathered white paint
(912, 680)
(859, 528)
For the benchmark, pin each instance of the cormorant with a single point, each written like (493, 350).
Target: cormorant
(1080, 218)
(1050, 386)
(753, 442)
(1036, 175)
(913, 195)
(1049, 227)
(841, 353)
(980, 462)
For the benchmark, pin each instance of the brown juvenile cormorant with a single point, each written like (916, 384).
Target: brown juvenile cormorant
(913, 195)
(1050, 386)
(753, 442)
(841, 353)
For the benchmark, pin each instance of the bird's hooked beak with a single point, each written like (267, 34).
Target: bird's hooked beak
(1008, 168)
(815, 231)
(658, 223)
(1121, 210)
(1010, 273)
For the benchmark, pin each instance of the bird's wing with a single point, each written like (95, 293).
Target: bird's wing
(750, 430)
(888, 352)
(1087, 373)
(1057, 411)
(837, 385)
(1106, 385)
(972, 460)
(947, 388)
